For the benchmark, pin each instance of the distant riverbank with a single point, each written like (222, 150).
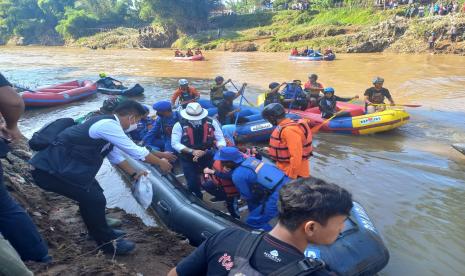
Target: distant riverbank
(343, 30)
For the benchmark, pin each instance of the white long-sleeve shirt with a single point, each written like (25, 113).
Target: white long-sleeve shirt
(111, 131)
(176, 136)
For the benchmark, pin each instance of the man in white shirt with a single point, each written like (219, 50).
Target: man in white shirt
(195, 137)
(69, 165)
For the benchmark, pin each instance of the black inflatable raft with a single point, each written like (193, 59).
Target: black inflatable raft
(459, 147)
(136, 90)
(358, 251)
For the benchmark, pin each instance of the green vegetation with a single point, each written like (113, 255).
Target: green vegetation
(72, 19)
(283, 30)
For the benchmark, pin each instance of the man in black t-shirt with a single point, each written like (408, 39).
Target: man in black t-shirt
(374, 96)
(310, 211)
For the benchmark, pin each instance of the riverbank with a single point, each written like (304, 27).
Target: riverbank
(343, 30)
(73, 253)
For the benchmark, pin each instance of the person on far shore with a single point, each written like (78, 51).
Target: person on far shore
(432, 41)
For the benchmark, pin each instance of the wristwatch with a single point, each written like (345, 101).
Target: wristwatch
(191, 151)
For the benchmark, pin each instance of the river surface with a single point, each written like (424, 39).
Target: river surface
(411, 181)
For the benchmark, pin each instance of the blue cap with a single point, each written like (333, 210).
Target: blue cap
(162, 106)
(229, 154)
(328, 90)
(229, 95)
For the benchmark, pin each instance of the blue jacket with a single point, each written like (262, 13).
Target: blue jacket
(161, 128)
(142, 129)
(247, 180)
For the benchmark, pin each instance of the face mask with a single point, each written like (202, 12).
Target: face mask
(131, 127)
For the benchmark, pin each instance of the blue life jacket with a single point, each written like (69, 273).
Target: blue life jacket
(74, 156)
(142, 129)
(167, 124)
(294, 92)
(268, 176)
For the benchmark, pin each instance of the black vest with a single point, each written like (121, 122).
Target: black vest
(75, 157)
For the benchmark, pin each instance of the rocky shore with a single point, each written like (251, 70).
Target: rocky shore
(73, 253)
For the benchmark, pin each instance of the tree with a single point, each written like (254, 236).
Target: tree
(186, 15)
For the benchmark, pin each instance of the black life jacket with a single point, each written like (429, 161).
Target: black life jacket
(247, 248)
(74, 156)
(199, 138)
(272, 98)
(327, 109)
(187, 95)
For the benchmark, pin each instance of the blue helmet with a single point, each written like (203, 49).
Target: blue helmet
(328, 90)
(229, 95)
(162, 106)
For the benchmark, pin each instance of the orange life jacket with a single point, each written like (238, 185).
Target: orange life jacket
(279, 151)
(226, 184)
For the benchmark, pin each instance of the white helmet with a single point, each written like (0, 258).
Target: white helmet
(183, 82)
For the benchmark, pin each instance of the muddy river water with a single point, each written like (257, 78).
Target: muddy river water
(411, 181)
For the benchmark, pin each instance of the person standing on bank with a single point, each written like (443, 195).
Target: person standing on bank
(69, 165)
(195, 137)
(311, 211)
(290, 142)
(15, 224)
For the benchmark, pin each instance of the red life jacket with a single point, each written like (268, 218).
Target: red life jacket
(280, 152)
(226, 184)
(207, 140)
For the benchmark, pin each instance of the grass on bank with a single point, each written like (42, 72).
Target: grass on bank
(287, 29)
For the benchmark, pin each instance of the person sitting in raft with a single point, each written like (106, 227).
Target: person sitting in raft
(195, 137)
(313, 88)
(294, 96)
(258, 183)
(159, 137)
(374, 96)
(178, 53)
(107, 108)
(227, 112)
(143, 126)
(274, 96)
(311, 212)
(305, 52)
(198, 52)
(185, 94)
(294, 52)
(189, 52)
(327, 104)
(218, 182)
(328, 52)
(108, 82)
(217, 90)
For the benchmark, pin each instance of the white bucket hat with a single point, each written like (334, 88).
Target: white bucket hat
(193, 112)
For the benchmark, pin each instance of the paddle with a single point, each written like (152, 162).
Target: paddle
(317, 128)
(23, 88)
(240, 106)
(405, 105)
(251, 104)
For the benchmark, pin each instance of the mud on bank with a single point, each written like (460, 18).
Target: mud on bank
(60, 224)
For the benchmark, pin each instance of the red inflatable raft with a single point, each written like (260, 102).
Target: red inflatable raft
(59, 94)
(192, 58)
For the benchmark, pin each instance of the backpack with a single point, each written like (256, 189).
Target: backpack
(247, 247)
(47, 134)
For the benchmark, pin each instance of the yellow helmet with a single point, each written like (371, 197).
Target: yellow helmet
(102, 75)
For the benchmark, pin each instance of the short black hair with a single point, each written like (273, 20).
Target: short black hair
(130, 107)
(311, 199)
